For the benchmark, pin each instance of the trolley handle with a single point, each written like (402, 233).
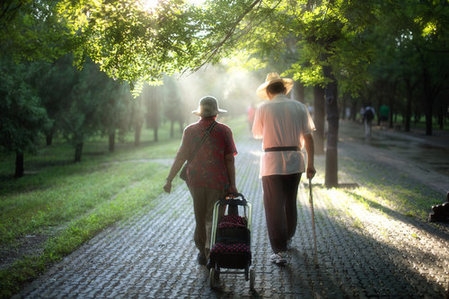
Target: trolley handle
(234, 199)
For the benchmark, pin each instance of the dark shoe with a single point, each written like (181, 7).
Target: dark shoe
(201, 259)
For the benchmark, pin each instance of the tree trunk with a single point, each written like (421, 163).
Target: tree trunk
(172, 128)
(441, 117)
(318, 119)
(298, 92)
(20, 170)
(78, 151)
(428, 101)
(137, 131)
(181, 126)
(49, 139)
(354, 110)
(390, 113)
(112, 141)
(429, 129)
(408, 106)
(155, 133)
(331, 176)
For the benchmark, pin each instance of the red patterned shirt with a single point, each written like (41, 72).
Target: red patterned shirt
(208, 167)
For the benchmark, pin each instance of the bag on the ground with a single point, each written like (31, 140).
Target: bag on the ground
(440, 213)
(183, 173)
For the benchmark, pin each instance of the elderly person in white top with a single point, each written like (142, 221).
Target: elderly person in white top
(285, 127)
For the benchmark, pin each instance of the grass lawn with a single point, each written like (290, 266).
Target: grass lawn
(58, 205)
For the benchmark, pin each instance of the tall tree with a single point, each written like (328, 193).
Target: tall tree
(320, 30)
(174, 109)
(32, 30)
(415, 34)
(81, 117)
(22, 114)
(54, 83)
(115, 113)
(152, 98)
(327, 44)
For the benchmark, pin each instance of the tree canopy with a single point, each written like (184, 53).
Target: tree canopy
(384, 52)
(131, 43)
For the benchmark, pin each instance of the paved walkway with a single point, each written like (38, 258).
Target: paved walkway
(362, 253)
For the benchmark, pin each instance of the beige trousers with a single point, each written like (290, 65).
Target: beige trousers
(204, 200)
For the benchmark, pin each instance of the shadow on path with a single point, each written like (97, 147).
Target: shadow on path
(362, 252)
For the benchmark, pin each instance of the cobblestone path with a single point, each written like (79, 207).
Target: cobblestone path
(362, 252)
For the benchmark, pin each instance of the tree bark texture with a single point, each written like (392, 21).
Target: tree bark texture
(137, 133)
(318, 119)
(298, 92)
(20, 170)
(331, 176)
(78, 151)
(428, 101)
(112, 141)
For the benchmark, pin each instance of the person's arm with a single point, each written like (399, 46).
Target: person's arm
(310, 149)
(176, 166)
(257, 128)
(230, 166)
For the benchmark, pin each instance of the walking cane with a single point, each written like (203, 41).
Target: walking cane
(315, 258)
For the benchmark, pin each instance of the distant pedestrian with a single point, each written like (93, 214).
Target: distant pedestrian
(368, 117)
(362, 112)
(210, 173)
(285, 127)
(384, 114)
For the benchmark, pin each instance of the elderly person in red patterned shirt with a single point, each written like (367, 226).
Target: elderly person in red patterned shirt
(211, 171)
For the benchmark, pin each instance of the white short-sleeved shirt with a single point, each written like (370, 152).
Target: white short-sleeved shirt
(282, 122)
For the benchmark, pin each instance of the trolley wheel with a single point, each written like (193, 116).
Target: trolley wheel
(214, 277)
(252, 278)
